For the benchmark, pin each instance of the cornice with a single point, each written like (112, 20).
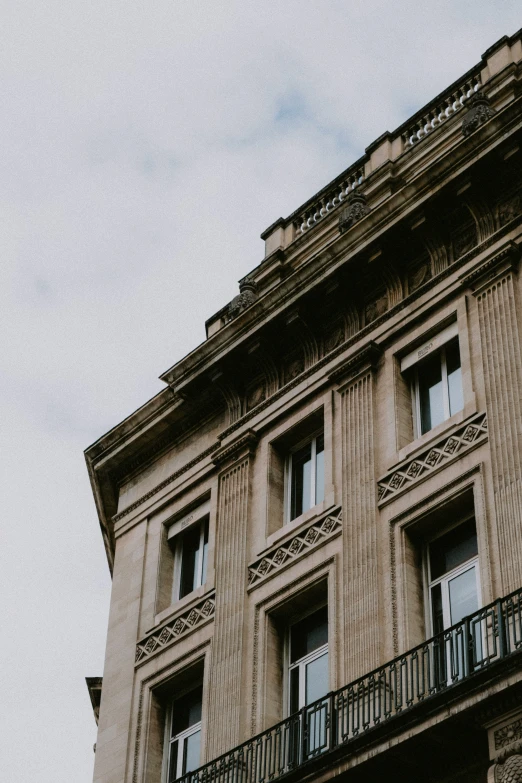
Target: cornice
(365, 359)
(244, 446)
(507, 258)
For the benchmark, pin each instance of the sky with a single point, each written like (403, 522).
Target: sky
(143, 149)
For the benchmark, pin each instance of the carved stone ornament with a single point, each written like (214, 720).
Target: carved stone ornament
(246, 297)
(355, 209)
(479, 112)
(508, 767)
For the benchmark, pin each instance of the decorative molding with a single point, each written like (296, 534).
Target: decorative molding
(137, 741)
(478, 113)
(173, 476)
(245, 445)
(364, 359)
(508, 767)
(356, 208)
(488, 269)
(509, 734)
(284, 554)
(441, 275)
(182, 625)
(417, 468)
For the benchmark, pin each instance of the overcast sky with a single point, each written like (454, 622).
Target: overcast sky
(144, 146)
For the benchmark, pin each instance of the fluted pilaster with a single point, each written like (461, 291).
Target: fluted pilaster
(360, 557)
(226, 674)
(502, 359)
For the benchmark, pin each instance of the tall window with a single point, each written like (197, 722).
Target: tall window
(308, 678)
(435, 374)
(305, 477)
(189, 546)
(184, 735)
(454, 592)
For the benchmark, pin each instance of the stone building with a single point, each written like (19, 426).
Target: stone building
(314, 529)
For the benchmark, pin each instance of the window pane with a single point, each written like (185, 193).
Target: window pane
(294, 690)
(205, 551)
(430, 393)
(453, 549)
(319, 470)
(437, 615)
(192, 752)
(189, 554)
(309, 634)
(456, 399)
(316, 679)
(173, 762)
(186, 712)
(301, 481)
(463, 595)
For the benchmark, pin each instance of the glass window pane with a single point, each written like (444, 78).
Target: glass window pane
(205, 553)
(463, 597)
(456, 399)
(192, 752)
(453, 549)
(301, 481)
(294, 690)
(309, 634)
(437, 616)
(319, 470)
(173, 762)
(189, 555)
(430, 393)
(186, 711)
(316, 679)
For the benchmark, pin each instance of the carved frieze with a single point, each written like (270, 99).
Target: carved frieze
(179, 626)
(355, 209)
(462, 439)
(292, 549)
(479, 112)
(506, 735)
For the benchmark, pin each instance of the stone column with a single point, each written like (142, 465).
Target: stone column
(227, 659)
(360, 557)
(495, 287)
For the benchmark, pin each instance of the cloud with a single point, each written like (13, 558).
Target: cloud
(143, 149)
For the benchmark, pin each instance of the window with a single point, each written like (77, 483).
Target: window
(188, 542)
(454, 593)
(308, 679)
(183, 738)
(305, 477)
(436, 380)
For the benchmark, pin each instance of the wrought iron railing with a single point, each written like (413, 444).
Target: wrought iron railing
(438, 664)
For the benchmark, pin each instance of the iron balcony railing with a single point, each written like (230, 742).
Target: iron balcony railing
(438, 664)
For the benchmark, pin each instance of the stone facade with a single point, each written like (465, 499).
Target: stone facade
(406, 264)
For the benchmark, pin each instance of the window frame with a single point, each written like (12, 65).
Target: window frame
(429, 583)
(305, 660)
(288, 474)
(180, 738)
(176, 543)
(415, 390)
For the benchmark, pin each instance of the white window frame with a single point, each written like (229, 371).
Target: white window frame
(430, 583)
(313, 477)
(436, 345)
(181, 739)
(175, 535)
(302, 661)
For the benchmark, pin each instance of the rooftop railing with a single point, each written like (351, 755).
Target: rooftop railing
(437, 665)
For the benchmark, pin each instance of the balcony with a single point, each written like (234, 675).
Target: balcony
(457, 658)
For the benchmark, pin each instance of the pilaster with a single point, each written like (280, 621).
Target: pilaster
(360, 556)
(499, 321)
(228, 657)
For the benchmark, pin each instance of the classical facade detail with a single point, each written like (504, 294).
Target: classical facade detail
(478, 113)
(179, 626)
(356, 208)
(508, 766)
(228, 660)
(509, 734)
(246, 297)
(449, 448)
(296, 547)
(361, 583)
(499, 324)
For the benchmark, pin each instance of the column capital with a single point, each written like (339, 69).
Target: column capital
(243, 446)
(492, 269)
(349, 370)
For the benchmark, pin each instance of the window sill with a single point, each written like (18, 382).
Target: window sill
(469, 410)
(179, 606)
(322, 509)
